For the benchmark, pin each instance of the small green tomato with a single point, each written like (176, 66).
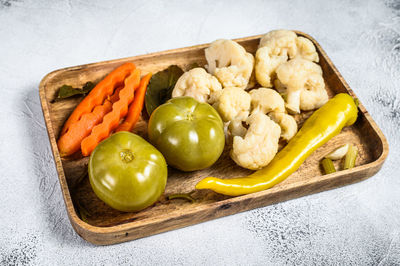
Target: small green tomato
(188, 133)
(127, 172)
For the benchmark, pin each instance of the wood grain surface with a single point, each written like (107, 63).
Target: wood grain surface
(100, 224)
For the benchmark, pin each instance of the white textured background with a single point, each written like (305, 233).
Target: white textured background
(357, 224)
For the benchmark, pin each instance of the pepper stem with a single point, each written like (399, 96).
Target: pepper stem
(356, 101)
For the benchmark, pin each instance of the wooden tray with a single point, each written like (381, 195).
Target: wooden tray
(104, 225)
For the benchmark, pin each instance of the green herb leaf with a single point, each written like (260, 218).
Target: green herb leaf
(161, 86)
(66, 91)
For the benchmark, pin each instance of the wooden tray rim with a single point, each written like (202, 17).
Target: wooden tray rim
(80, 226)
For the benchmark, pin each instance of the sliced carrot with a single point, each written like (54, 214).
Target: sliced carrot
(135, 108)
(99, 93)
(111, 120)
(70, 142)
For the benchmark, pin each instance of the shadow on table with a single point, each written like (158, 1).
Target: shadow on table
(53, 207)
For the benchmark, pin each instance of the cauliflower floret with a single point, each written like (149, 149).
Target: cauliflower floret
(266, 65)
(233, 105)
(306, 49)
(286, 122)
(313, 95)
(294, 75)
(275, 48)
(287, 43)
(260, 144)
(266, 100)
(230, 63)
(199, 84)
(280, 42)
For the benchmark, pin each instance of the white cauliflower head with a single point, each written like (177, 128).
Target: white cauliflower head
(313, 95)
(260, 143)
(275, 48)
(294, 75)
(287, 43)
(199, 84)
(266, 100)
(266, 65)
(230, 63)
(233, 105)
(280, 42)
(286, 122)
(306, 49)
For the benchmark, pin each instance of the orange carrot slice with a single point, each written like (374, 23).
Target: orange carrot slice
(135, 108)
(111, 120)
(70, 142)
(99, 93)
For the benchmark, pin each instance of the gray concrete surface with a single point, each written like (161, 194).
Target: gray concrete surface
(357, 224)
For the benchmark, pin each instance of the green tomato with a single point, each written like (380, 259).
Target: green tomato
(127, 172)
(188, 133)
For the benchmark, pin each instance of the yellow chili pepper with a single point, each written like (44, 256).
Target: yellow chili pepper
(321, 126)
